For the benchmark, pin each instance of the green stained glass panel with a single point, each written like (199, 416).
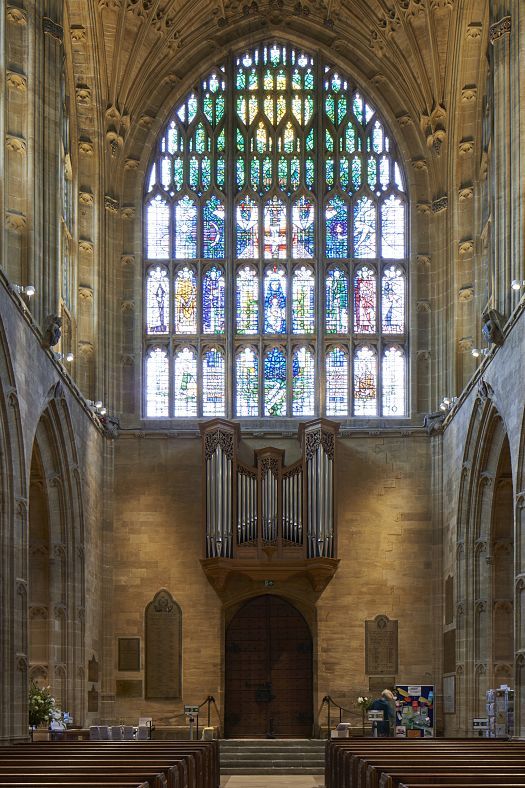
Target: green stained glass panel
(309, 173)
(219, 109)
(281, 108)
(281, 80)
(247, 383)
(254, 174)
(356, 172)
(296, 80)
(294, 173)
(377, 137)
(240, 80)
(192, 108)
(178, 174)
(275, 383)
(240, 105)
(267, 173)
(297, 108)
(239, 173)
(220, 142)
(349, 138)
(309, 80)
(268, 79)
(252, 108)
(330, 107)
(329, 172)
(247, 301)
(220, 172)
(329, 141)
(282, 173)
(288, 138)
(357, 107)
(207, 105)
(384, 172)
(194, 173)
(200, 139)
(240, 140)
(269, 108)
(341, 108)
(310, 140)
(372, 172)
(253, 82)
(343, 173)
(206, 173)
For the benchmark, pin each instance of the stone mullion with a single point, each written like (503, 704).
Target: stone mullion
(517, 183)
(501, 160)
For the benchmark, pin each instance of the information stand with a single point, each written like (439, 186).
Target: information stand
(414, 711)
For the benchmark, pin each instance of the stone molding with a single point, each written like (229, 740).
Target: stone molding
(16, 15)
(53, 29)
(16, 144)
(500, 28)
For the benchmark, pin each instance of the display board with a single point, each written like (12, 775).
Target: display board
(414, 710)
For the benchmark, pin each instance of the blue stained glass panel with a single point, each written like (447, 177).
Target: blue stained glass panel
(157, 383)
(213, 383)
(247, 383)
(365, 382)
(393, 301)
(303, 301)
(365, 301)
(393, 382)
(185, 384)
(393, 228)
(336, 383)
(275, 301)
(158, 229)
(336, 228)
(247, 301)
(213, 229)
(185, 302)
(247, 228)
(274, 229)
(275, 383)
(185, 228)
(157, 301)
(303, 382)
(213, 301)
(303, 214)
(336, 290)
(364, 228)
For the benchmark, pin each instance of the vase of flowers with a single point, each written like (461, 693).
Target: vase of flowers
(363, 702)
(42, 708)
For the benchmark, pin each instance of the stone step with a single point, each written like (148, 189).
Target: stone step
(275, 770)
(272, 756)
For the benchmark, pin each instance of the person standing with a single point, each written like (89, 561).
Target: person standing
(386, 704)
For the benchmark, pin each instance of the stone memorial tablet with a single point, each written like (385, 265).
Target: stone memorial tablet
(381, 648)
(163, 647)
(93, 669)
(129, 688)
(377, 684)
(93, 699)
(129, 653)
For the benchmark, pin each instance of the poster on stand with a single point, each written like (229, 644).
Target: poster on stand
(414, 710)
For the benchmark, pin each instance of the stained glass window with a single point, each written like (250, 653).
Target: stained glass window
(157, 301)
(336, 305)
(303, 228)
(275, 301)
(274, 229)
(213, 229)
(213, 301)
(157, 383)
(213, 383)
(393, 382)
(365, 382)
(393, 300)
(336, 382)
(158, 229)
(247, 383)
(185, 228)
(303, 382)
(365, 301)
(185, 301)
(275, 383)
(275, 208)
(247, 300)
(185, 387)
(303, 301)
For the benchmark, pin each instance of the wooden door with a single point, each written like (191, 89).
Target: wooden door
(268, 671)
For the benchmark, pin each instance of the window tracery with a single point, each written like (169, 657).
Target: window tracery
(275, 227)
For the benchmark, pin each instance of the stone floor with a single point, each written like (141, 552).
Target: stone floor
(277, 781)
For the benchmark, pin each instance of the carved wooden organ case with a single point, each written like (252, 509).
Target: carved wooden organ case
(269, 511)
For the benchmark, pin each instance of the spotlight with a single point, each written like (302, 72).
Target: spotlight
(70, 357)
(517, 284)
(28, 290)
(480, 351)
(103, 411)
(98, 404)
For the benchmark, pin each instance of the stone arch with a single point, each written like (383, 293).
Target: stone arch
(484, 557)
(56, 490)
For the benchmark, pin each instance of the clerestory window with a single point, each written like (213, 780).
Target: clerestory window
(275, 248)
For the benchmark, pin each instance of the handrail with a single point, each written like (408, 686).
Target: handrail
(209, 700)
(329, 701)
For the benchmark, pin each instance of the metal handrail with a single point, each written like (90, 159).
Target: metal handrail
(329, 701)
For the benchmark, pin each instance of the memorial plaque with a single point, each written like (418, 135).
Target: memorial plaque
(449, 694)
(93, 669)
(381, 647)
(129, 688)
(163, 647)
(93, 699)
(129, 653)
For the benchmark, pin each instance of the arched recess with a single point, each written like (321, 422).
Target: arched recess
(56, 590)
(519, 623)
(484, 565)
(13, 536)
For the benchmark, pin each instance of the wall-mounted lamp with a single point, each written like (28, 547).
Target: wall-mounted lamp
(517, 284)
(69, 357)
(447, 402)
(28, 290)
(480, 351)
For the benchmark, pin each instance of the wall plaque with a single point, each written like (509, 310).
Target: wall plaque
(449, 694)
(93, 669)
(129, 688)
(129, 653)
(93, 699)
(381, 646)
(377, 684)
(163, 647)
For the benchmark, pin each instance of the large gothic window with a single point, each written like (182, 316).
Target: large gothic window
(275, 248)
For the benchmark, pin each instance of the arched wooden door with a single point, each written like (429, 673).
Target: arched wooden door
(268, 671)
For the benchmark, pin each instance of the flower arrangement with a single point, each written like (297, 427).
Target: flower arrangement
(363, 702)
(42, 707)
